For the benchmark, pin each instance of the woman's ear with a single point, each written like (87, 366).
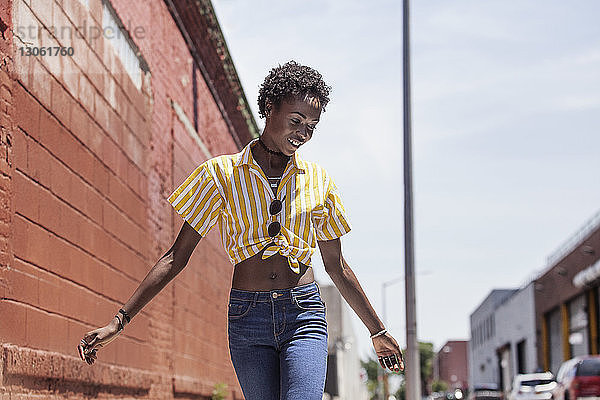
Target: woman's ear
(268, 109)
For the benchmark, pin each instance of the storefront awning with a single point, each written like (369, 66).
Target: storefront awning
(588, 276)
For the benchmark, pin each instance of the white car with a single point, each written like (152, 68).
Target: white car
(533, 386)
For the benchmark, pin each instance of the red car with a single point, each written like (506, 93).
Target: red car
(578, 379)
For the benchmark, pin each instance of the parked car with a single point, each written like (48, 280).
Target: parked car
(578, 378)
(486, 392)
(537, 386)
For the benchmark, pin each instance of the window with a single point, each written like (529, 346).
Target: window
(121, 43)
(578, 326)
(521, 357)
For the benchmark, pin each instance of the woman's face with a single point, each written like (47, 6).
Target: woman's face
(292, 124)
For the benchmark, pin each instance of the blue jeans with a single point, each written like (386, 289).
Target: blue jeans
(278, 342)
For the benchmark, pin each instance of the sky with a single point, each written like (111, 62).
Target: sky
(506, 137)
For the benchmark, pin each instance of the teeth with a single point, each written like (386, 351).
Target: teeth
(294, 142)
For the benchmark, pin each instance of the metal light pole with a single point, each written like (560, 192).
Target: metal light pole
(412, 364)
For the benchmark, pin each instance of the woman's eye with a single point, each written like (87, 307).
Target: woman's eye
(295, 121)
(312, 127)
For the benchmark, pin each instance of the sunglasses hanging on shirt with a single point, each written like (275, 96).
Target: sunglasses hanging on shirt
(275, 208)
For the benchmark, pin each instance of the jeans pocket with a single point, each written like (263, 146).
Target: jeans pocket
(238, 308)
(309, 302)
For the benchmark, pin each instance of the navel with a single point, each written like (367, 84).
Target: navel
(273, 275)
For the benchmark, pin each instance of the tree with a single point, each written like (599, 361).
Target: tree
(371, 366)
(426, 357)
(439, 386)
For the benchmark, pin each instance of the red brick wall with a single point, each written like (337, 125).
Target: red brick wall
(86, 163)
(453, 363)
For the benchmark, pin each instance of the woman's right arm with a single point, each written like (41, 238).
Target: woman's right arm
(167, 268)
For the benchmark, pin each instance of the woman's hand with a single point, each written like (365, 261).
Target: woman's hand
(388, 352)
(97, 338)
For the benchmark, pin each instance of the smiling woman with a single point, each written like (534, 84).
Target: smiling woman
(273, 208)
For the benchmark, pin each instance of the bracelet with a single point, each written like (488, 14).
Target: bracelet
(120, 322)
(125, 315)
(383, 332)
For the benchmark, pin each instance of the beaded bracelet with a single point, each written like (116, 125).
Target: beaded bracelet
(125, 315)
(120, 322)
(383, 332)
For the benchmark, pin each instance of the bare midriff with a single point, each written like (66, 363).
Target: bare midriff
(258, 275)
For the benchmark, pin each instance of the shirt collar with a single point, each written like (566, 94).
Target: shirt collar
(245, 157)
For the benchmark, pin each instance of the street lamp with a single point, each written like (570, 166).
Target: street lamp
(384, 286)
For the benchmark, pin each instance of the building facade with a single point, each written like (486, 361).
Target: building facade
(94, 137)
(344, 380)
(511, 346)
(566, 299)
(516, 336)
(484, 368)
(451, 365)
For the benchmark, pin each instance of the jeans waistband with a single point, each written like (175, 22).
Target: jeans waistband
(274, 295)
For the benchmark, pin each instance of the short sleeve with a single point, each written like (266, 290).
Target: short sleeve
(198, 200)
(332, 222)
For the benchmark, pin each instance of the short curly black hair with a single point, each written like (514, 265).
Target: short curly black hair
(291, 79)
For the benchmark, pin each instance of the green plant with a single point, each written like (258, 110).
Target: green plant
(220, 391)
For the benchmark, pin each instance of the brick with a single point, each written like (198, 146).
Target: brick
(64, 27)
(58, 327)
(27, 112)
(110, 153)
(110, 85)
(81, 54)
(134, 180)
(44, 11)
(85, 94)
(102, 116)
(60, 179)
(116, 286)
(50, 292)
(23, 20)
(51, 211)
(37, 329)
(50, 131)
(38, 163)
(61, 103)
(95, 69)
(70, 75)
(134, 149)
(93, 205)
(22, 281)
(41, 84)
(115, 125)
(19, 151)
(14, 322)
(80, 121)
(53, 63)
(70, 225)
(27, 197)
(75, 301)
(95, 9)
(100, 177)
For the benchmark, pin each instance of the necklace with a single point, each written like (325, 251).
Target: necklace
(268, 150)
(274, 181)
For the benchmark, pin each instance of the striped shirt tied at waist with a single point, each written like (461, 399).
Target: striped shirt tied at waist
(234, 191)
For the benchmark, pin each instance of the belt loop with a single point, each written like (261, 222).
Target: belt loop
(255, 299)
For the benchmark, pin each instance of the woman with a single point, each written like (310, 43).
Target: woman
(272, 208)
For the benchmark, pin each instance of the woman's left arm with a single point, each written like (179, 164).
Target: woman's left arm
(345, 280)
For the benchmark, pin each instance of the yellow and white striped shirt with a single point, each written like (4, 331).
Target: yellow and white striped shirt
(233, 190)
